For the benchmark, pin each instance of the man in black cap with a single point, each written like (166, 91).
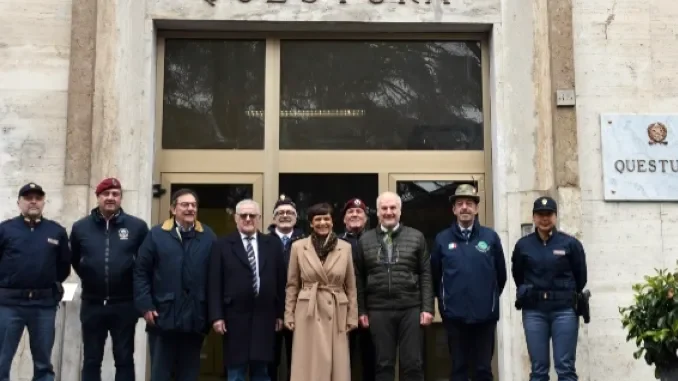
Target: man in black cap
(283, 228)
(360, 340)
(34, 261)
(549, 270)
(105, 244)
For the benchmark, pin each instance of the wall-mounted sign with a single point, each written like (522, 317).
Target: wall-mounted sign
(640, 157)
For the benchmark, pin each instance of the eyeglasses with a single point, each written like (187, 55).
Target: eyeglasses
(187, 204)
(290, 213)
(245, 216)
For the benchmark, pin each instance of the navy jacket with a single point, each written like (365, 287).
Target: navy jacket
(548, 274)
(170, 277)
(33, 262)
(468, 276)
(353, 239)
(296, 235)
(104, 254)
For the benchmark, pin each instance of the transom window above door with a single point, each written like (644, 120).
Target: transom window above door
(322, 94)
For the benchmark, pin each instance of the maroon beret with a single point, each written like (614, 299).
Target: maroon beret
(106, 184)
(354, 203)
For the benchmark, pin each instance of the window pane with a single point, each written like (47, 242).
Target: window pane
(216, 203)
(381, 95)
(335, 189)
(213, 94)
(427, 206)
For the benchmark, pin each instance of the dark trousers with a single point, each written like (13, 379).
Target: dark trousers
(257, 372)
(175, 354)
(40, 324)
(360, 343)
(283, 337)
(120, 319)
(392, 330)
(559, 329)
(471, 348)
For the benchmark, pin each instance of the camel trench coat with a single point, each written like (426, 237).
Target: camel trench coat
(321, 301)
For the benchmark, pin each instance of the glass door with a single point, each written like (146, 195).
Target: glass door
(218, 195)
(427, 207)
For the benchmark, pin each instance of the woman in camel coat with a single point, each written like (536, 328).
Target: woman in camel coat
(321, 304)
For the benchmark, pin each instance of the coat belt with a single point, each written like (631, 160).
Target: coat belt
(312, 310)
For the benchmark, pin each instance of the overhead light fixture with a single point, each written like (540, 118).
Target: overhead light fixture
(345, 113)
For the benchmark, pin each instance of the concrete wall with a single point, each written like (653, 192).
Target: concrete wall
(35, 40)
(625, 62)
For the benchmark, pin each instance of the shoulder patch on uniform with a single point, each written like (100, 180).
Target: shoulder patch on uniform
(452, 246)
(482, 246)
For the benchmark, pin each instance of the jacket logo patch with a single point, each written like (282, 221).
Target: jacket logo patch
(123, 234)
(482, 246)
(452, 246)
(558, 252)
(53, 241)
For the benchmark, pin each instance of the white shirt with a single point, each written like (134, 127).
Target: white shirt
(281, 235)
(255, 247)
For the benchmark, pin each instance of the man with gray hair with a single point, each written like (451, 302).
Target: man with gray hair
(246, 295)
(395, 294)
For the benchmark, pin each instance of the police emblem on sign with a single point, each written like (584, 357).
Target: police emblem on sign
(657, 132)
(123, 234)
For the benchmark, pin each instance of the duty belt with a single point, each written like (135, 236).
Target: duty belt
(30, 294)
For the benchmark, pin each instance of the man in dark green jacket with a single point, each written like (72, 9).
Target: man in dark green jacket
(395, 294)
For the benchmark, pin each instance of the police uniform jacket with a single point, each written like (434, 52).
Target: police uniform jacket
(170, 277)
(34, 260)
(104, 253)
(548, 273)
(469, 274)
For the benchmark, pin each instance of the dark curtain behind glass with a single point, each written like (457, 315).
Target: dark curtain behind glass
(410, 95)
(209, 88)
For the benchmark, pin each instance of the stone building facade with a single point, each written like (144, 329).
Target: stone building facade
(79, 102)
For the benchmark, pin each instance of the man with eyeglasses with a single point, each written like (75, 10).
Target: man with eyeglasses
(170, 277)
(360, 340)
(395, 295)
(246, 294)
(283, 228)
(469, 275)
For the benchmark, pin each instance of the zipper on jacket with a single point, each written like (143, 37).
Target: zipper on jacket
(442, 286)
(389, 279)
(106, 255)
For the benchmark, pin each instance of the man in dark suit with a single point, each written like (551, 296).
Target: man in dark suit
(283, 228)
(246, 295)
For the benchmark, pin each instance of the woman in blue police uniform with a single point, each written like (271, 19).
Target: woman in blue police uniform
(34, 260)
(549, 270)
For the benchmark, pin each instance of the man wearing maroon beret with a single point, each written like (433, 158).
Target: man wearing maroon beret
(360, 340)
(104, 245)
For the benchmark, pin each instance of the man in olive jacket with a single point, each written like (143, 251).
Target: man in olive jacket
(395, 294)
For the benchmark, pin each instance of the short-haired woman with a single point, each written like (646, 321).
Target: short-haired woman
(321, 304)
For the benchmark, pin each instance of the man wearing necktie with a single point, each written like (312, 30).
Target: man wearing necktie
(469, 274)
(246, 295)
(283, 229)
